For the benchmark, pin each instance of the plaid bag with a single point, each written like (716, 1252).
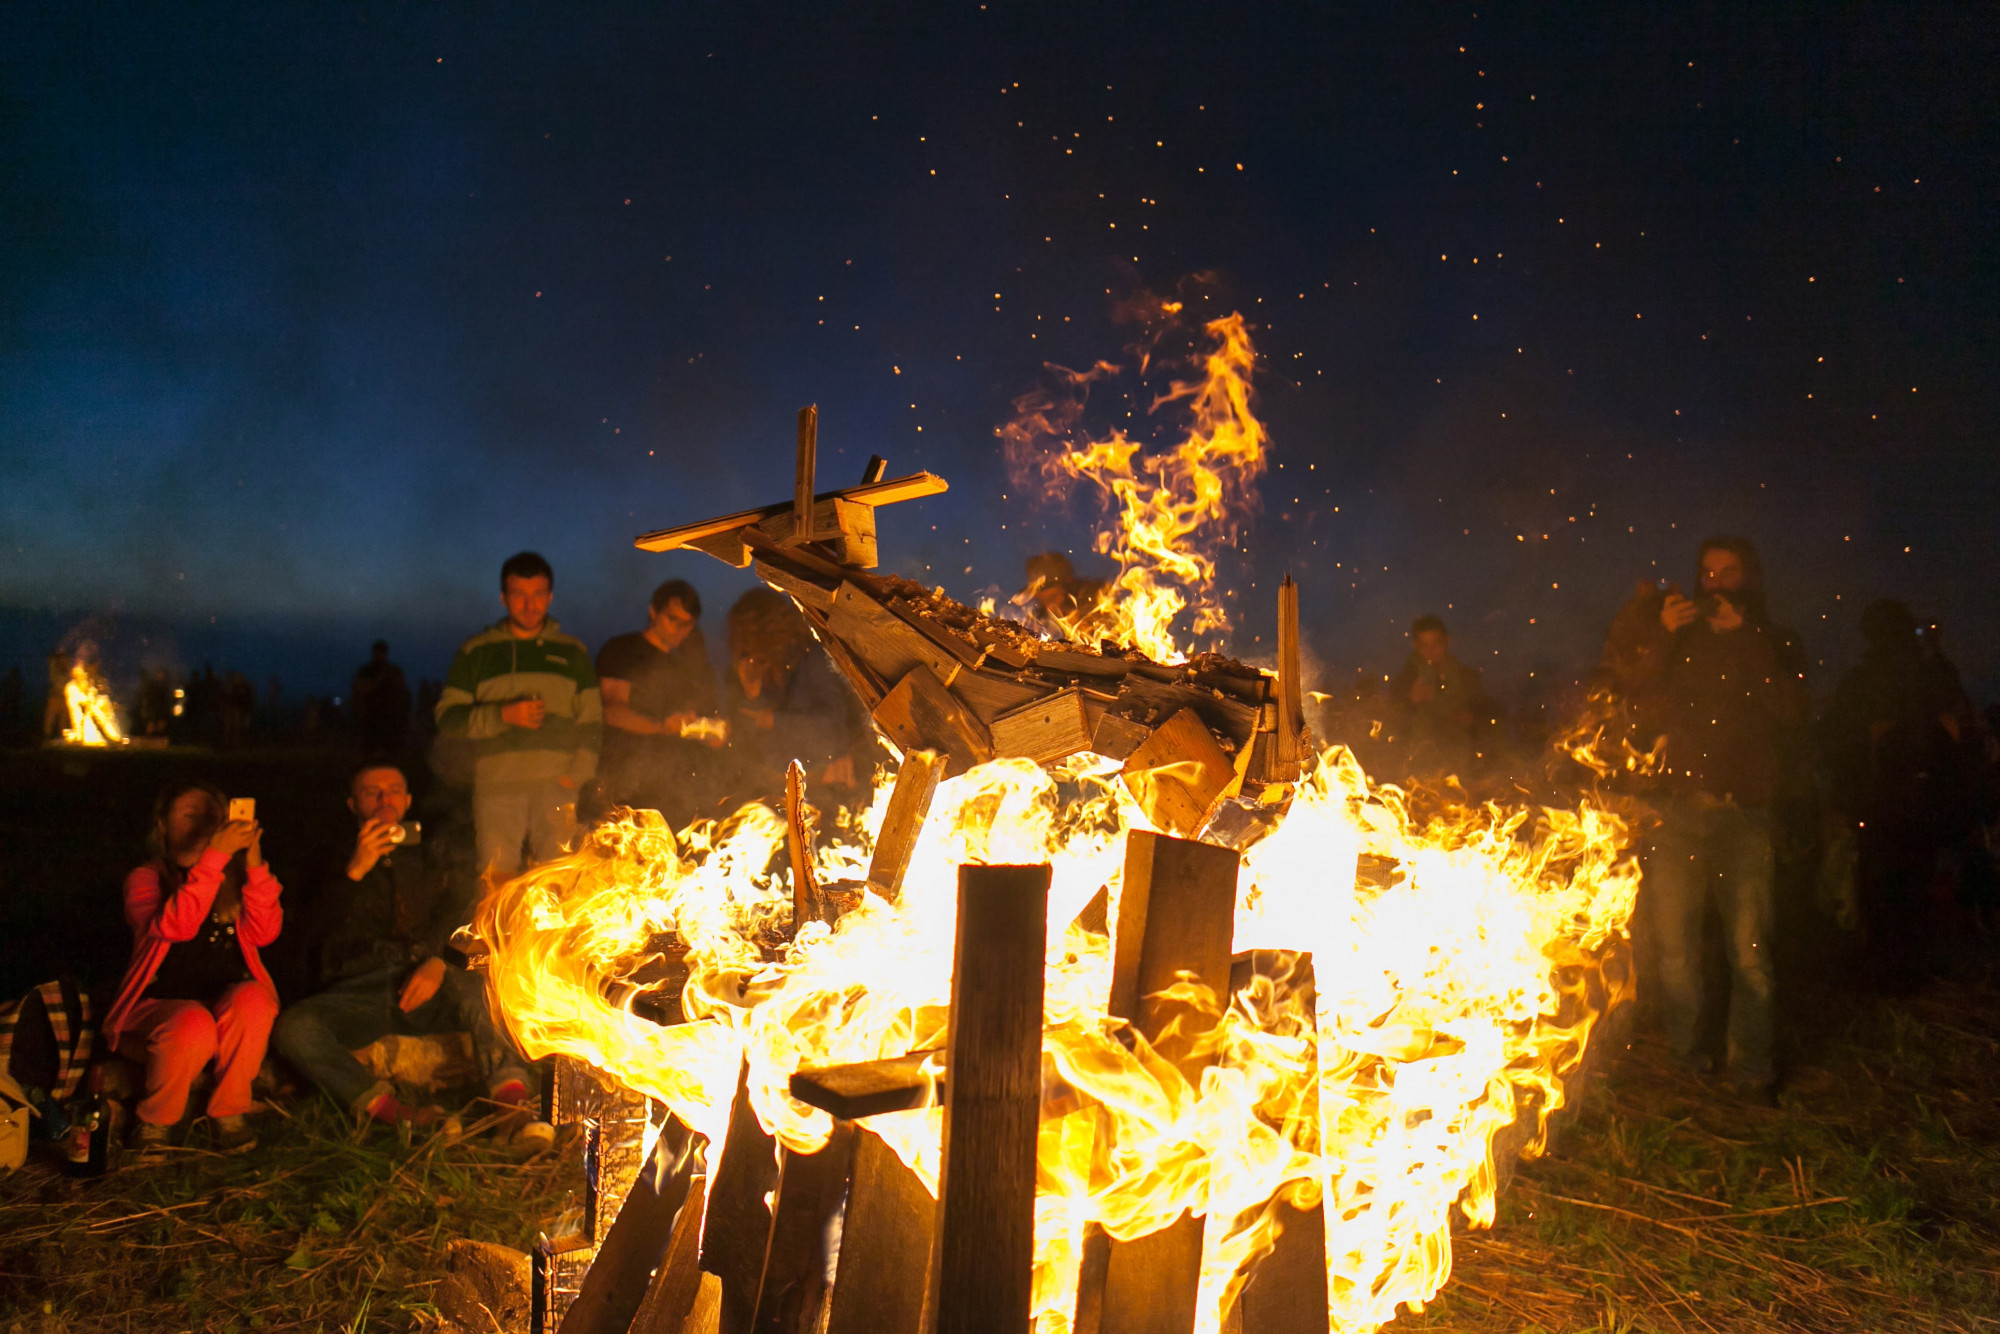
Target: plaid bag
(47, 1036)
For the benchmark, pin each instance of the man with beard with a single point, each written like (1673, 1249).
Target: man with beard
(659, 708)
(386, 916)
(1725, 688)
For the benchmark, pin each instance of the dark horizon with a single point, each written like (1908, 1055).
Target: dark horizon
(306, 324)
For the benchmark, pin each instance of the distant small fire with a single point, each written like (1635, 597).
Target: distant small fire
(93, 718)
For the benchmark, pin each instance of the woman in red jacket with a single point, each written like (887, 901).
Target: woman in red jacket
(195, 990)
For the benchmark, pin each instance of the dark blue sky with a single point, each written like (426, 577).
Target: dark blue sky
(306, 323)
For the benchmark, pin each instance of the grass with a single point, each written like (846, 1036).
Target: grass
(1868, 1200)
(323, 1227)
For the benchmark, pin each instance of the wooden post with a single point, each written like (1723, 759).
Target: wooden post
(798, 843)
(1176, 914)
(909, 803)
(811, 1190)
(738, 1226)
(622, 1269)
(885, 1245)
(877, 466)
(1288, 755)
(677, 1282)
(802, 482)
(982, 1267)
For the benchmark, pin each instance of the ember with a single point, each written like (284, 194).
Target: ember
(1281, 1017)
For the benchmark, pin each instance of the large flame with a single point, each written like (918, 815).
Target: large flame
(1170, 510)
(93, 718)
(1459, 967)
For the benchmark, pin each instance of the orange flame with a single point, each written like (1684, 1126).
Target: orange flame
(1454, 994)
(1174, 509)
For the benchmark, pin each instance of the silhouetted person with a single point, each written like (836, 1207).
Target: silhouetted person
(381, 704)
(1723, 686)
(659, 708)
(156, 702)
(55, 709)
(784, 702)
(238, 699)
(1891, 739)
(1435, 699)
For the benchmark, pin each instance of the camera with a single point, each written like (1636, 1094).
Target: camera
(242, 808)
(407, 833)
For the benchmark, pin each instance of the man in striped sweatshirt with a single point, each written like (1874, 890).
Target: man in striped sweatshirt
(526, 693)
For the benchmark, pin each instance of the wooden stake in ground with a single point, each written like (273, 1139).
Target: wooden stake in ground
(798, 843)
(738, 1224)
(1176, 914)
(811, 1189)
(622, 1269)
(982, 1267)
(802, 483)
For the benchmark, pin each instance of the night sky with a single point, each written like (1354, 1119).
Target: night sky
(307, 323)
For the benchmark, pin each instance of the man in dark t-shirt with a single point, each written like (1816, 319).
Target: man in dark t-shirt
(659, 707)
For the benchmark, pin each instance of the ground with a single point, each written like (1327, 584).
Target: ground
(1868, 1199)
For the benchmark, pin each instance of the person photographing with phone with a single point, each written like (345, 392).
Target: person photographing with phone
(1725, 689)
(195, 990)
(385, 915)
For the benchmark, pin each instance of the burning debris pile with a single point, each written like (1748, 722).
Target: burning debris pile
(93, 718)
(1182, 1023)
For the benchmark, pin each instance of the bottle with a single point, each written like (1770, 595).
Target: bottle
(87, 1150)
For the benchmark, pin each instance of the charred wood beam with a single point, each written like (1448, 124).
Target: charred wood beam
(982, 1266)
(622, 1269)
(737, 1229)
(909, 804)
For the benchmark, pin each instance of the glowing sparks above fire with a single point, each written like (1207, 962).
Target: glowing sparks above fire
(1458, 963)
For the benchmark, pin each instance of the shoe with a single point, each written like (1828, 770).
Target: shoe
(149, 1143)
(390, 1111)
(233, 1134)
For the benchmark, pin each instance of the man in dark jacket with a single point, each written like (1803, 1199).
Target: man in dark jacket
(386, 917)
(1725, 688)
(658, 688)
(1435, 699)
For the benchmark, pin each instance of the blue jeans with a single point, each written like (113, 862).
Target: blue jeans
(1716, 854)
(320, 1034)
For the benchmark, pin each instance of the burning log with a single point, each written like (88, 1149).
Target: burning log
(738, 1224)
(621, 1271)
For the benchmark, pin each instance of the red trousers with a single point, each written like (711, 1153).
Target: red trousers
(176, 1038)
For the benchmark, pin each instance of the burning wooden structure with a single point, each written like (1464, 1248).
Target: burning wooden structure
(744, 1236)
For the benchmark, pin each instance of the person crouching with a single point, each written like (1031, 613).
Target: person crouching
(195, 990)
(386, 916)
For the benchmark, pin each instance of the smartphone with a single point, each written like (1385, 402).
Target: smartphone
(408, 834)
(242, 808)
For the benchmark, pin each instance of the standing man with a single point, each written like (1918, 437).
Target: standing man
(525, 694)
(381, 704)
(659, 707)
(1725, 688)
(1438, 697)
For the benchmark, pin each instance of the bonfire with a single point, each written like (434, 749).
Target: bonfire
(1395, 995)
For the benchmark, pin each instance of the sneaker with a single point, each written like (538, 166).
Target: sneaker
(149, 1143)
(391, 1111)
(233, 1134)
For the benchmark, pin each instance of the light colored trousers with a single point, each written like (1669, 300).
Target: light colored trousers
(539, 812)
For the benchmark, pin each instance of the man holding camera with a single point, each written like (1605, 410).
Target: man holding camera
(1726, 689)
(526, 694)
(659, 708)
(386, 916)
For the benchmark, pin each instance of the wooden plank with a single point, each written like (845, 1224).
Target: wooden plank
(1287, 752)
(1154, 702)
(909, 804)
(920, 714)
(727, 547)
(888, 644)
(860, 678)
(677, 1282)
(870, 1088)
(885, 1245)
(845, 528)
(990, 694)
(915, 486)
(802, 480)
(1288, 1291)
(811, 1188)
(1178, 773)
(1115, 737)
(982, 1266)
(622, 1269)
(1046, 730)
(795, 585)
(798, 847)
(738, 1225)
(1176, 914)
(877, 465)
(706, 1315)
(1080, 664)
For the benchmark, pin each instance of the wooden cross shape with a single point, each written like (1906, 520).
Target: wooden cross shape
(841, 523)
